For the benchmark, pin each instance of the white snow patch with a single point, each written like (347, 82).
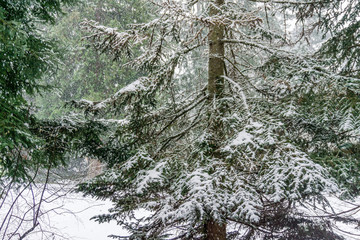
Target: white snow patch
(132, 87)
(242, 138)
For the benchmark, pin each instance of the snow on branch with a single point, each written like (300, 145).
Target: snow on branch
(108, 39)
(285, 172)
(291, 174)
(176, 11)
(127, 93)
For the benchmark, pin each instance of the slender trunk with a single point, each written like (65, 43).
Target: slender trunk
(216, 67)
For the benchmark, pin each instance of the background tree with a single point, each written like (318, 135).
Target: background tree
(85, 73)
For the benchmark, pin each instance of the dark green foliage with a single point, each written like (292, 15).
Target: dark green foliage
(26, 55)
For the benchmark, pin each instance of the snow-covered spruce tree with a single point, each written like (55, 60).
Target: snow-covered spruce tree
(236, 157)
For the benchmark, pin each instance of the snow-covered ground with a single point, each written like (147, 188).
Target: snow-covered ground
(347, 208)
(62, 215)
(73, 220)
(68, 217)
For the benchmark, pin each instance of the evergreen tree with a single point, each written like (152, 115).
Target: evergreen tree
(26, 55)
(235, 158)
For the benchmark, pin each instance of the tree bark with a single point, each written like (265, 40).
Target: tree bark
(215, 231)
(216, 69)
(216, 64)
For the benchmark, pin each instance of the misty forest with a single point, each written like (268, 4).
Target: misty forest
(180, 119)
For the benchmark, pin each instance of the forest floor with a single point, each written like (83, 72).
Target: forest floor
(69, 217)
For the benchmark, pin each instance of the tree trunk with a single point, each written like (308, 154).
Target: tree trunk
(215, 231)
(216, 68)
(216, 64)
